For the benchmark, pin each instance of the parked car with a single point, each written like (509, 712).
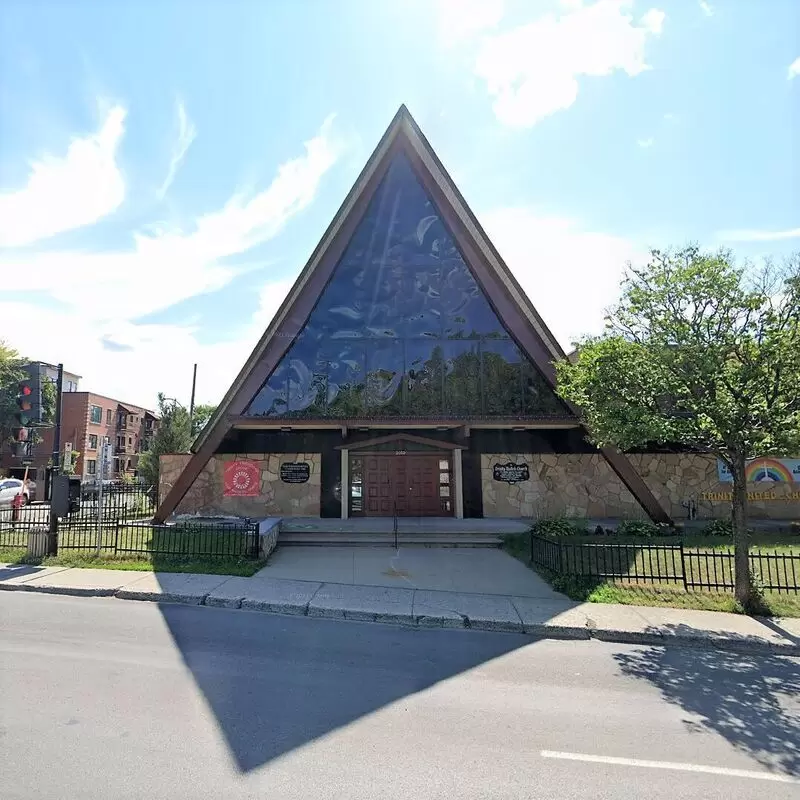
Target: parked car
(11, 487)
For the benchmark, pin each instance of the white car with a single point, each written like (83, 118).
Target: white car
(10, 488)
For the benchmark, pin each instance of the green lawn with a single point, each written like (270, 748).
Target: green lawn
(244, 567)
(701, 565)
(143, 548)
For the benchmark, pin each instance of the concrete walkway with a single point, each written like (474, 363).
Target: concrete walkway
(555, 618)
(477, 571)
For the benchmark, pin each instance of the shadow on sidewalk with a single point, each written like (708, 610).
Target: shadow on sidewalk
(750, 700)
(276, 683)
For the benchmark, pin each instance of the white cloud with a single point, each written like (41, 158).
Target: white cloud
(169, 265)
(186, 135)
(549, 254)
(794, 69)
(104, 291)
(154, 357)
(752, 235)
(67, 192)
(706, 8)
(532, 70)
(645, 143)
(460, 20)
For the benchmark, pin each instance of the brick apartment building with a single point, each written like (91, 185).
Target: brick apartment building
(88, 420)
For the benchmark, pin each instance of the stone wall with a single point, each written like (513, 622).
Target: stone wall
(585, 486)
(276, 498)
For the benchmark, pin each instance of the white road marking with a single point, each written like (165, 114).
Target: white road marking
(637, 762)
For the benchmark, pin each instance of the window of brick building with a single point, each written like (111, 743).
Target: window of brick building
(93, 441)
(91, 467)
(95, 415)
(109, 416)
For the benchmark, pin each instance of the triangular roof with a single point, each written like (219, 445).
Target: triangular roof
(492, 275)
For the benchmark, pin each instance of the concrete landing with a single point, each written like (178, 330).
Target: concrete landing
(476, 571)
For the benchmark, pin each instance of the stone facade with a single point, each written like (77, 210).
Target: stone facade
(276, 498)
(585, 486)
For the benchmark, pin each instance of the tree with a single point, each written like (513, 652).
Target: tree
(202, 414)
(703, 353)
(173, 435)
(11, 373)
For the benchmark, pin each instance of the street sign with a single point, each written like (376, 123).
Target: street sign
(67, 456)
(27, 462)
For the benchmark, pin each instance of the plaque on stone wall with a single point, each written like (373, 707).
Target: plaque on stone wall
(241, 479)
(295, 472)
(511, 473)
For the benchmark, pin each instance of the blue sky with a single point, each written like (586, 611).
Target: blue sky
(167, 168)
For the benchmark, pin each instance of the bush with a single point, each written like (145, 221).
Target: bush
(718, 527)
(641, 528)
(557, 527)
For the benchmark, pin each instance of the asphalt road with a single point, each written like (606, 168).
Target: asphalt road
(103, 698)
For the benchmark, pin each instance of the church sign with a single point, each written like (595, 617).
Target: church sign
(295, 472)
(511, 473)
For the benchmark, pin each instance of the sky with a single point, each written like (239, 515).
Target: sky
(167, 168)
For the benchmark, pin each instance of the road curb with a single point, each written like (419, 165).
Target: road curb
(428, 622)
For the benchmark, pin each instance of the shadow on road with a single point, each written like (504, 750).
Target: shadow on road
(276, 683)
(750, 700)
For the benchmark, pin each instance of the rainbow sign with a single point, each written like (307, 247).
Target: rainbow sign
(774, 470)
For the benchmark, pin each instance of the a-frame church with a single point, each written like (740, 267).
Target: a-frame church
(405, 373)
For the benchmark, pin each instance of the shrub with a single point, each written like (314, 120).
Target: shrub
(556, 527)
(641, 528)
(718, 527)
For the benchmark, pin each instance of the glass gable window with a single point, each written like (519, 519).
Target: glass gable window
(403, 330)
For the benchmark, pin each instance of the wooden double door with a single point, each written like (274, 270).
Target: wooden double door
(411, 485)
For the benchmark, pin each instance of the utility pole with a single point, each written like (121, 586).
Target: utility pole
(191, 402)
(52, 539)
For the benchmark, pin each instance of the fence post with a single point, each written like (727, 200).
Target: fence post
(530, 547)
(561, 558)
(116, 535)
(683, 568)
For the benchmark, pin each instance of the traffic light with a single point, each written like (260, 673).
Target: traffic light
(25, 402)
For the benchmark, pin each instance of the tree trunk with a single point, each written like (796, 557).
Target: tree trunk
(741, 539)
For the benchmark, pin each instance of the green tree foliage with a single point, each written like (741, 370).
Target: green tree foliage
(11, 373)
(701, 352)
(173, 435)
(202, 414)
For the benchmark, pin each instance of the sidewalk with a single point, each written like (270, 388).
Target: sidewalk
(537, 617)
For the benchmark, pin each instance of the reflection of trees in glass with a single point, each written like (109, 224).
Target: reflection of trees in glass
(414, 378)
(424, 383)
(538, 398)
(348, 403)
(462, 383)
(502, 391)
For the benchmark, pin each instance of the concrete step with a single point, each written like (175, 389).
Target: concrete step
(350, 539)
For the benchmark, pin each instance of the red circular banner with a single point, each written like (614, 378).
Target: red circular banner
(242, 479)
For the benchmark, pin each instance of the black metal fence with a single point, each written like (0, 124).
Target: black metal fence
(122, 538)
(670, 564)
(117, 523)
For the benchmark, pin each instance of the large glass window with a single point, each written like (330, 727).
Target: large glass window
(95, 415)
(403, 329)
